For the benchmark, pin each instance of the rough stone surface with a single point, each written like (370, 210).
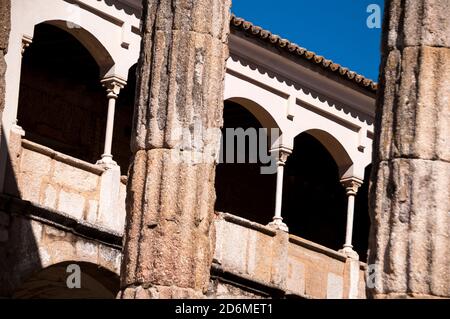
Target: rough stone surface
(221, 290)
(168, 243)
(416, 22)
(5, 25)
(170, 202)
(410, 188)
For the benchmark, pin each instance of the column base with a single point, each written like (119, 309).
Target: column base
(107, 162)
(349, 252)
(279, 225)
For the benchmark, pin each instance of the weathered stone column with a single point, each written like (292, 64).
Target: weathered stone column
(410, 188)
(5, 25)
(170, 200)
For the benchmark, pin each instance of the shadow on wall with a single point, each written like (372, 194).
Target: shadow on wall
(31, 245)
(62, 105)
(19, 252)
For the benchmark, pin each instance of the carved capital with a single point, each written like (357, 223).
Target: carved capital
(351, 185)
(26, 41)
(113, 85)
(281, 153)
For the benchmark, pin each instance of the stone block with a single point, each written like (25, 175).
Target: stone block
(108, 214)
(235, 248)
(335, 286)
(75, 178)
(35, 163)
(296, 277)
(416, 23)
(411, 201)
(35, 169)
(92, 212)
(414, 119)
(71, 203)
(50, 197)
(86, 250)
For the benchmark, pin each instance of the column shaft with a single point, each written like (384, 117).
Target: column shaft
(281, 154)
(178, 114)
(113, 86)
(279, 193)
(410, 185)
(109, 127)
(350, 215)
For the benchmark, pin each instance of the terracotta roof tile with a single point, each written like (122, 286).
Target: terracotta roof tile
(246, 26)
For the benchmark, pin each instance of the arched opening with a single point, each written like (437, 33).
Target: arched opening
(314, 201)
(123, 121)
(241, 189)
(361, 225)
(62, 104)
(52, 283)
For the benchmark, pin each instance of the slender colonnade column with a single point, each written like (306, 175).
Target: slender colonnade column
(113, 86)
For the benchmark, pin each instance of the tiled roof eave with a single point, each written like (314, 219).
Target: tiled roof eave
(299, 52)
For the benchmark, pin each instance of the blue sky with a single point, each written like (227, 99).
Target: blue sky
(336, 29)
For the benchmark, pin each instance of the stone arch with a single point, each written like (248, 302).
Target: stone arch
(62, 104)
(261, 113)
(98, 51)
(335, 148)
(95, 282)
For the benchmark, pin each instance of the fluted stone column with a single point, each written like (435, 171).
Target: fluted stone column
(5, 25)
(170, 200)
(410, 189)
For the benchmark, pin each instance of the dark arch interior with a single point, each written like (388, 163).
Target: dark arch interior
(62, 104)
(314, 201)
(51, 283)
(241, 188)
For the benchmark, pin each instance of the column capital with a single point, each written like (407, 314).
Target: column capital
(351, 184)
(26, 41)
(282, 153)
(113, 85)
